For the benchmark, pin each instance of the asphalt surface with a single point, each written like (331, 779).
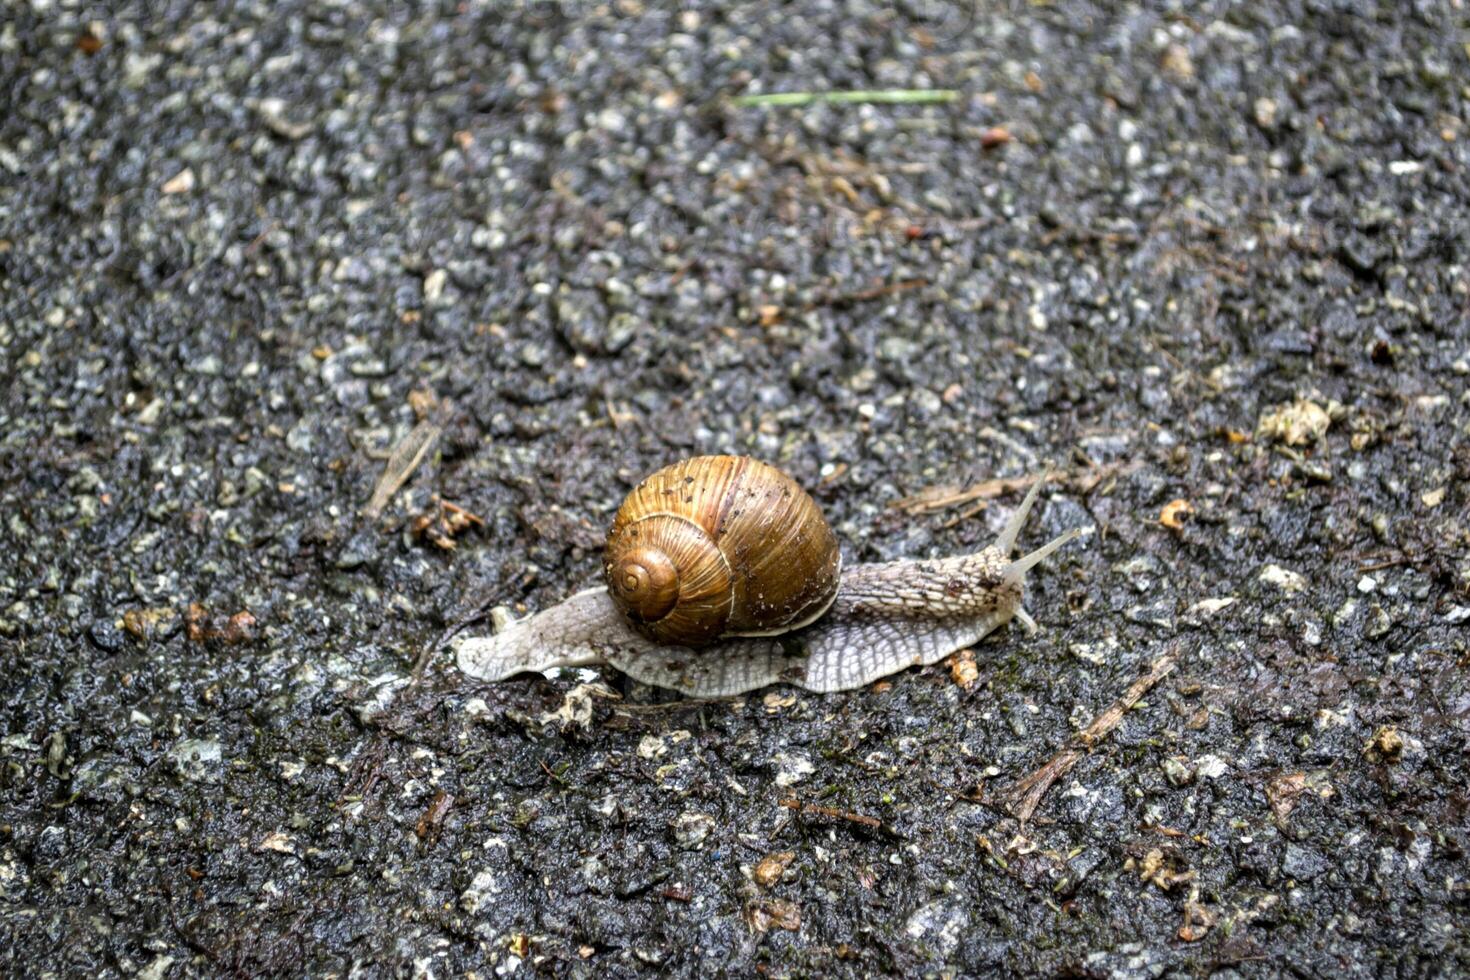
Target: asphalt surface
(1209, 264)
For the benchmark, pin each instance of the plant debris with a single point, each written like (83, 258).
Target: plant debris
(962, 669)
(832, 813)
(945, 496)
(1026, 794)
(402, 461)
(772, 867)
(1298, 423)
(203, 627)
(1175, 513)
(443, 522)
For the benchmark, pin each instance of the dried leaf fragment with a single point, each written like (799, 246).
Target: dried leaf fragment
(776, 700)
(766, 914)
(1386, 745)
(431, 821)
(1155, 869)
(200, 626)
(423, 403)
(443, 522)
(1284, 791)
(994, 136)
(772, 867)
(1175, 513)
(146, 624)
(402, 461)
(1297, 423)
(1197, 922)
(577, 708)
(962, 669)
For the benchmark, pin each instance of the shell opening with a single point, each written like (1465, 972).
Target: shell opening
(646, 583)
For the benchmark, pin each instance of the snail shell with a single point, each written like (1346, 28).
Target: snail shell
(720, 546)
(886, 617)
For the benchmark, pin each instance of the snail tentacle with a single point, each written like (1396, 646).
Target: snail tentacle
(1016, 570)
(1027, 623)
(1006, 543)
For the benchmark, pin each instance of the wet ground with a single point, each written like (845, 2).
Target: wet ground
(1211, 265)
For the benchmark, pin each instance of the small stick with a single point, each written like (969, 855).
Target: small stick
(470, 516)
(1404, 559)
(481, 609)
(931, 499)
(966, 514)
(402, 461)
(551, 775)
(431, 823)
(903, 96)
(366, 771)
(826, 811)
(867, 295)
(942, 498)
(1026, 794)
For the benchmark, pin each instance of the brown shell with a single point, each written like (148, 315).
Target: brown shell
(720, 546)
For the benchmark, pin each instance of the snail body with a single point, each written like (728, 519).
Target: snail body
(880, 618)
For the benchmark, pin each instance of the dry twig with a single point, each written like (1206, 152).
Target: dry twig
(943, 497)
(402, 461)
(872, 823)
(1026, 794)
(868, 295)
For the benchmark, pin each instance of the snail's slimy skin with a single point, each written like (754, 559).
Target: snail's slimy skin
(886, 617)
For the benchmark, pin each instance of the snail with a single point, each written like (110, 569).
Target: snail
(723, 577)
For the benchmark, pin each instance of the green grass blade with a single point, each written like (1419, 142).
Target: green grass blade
(904, 96)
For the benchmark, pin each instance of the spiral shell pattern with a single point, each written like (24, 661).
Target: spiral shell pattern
(720, 546)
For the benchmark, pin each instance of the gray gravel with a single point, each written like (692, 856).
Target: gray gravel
(1216, 256)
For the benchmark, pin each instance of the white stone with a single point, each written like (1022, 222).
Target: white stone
(1284, 579)
(792, 768)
